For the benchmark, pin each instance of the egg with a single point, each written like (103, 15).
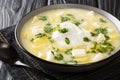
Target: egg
(74, 34)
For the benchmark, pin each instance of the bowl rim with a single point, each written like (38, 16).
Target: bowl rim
(107, 15)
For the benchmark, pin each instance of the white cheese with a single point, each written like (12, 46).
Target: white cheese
(97, 57)
(96, 25)
(78, 52)
(49, 56)
(100, 37)
(39, 54)
(90, 13)
(83, 24)
(37, 30)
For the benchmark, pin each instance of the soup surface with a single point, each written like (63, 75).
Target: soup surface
(70, 36)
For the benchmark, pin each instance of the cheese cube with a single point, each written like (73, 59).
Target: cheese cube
(100, 37)
(49, 55)
(78, 52)
(97, 57)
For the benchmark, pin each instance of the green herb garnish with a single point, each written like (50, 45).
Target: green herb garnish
(107, 37)
(40, 35)
(32, 39)
(55, 49)
(67, 41)
(53, 52)
(63, 30)
(86, 39)
(69, 51)
(48, 29)
(48, 24)
(98, 31)
(43, 18)
(63, 19)
(102, 20)
(77, 23)
(56, 28)
(69, 15)
(58, 57)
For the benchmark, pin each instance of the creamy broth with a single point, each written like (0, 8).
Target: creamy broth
(70, 36)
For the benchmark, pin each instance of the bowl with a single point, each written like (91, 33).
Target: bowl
(64, 67)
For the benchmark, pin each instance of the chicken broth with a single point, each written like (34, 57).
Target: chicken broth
(70, 36)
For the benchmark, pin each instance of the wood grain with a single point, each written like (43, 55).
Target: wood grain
(11, 11)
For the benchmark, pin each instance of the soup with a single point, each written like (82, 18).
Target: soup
(70, 36)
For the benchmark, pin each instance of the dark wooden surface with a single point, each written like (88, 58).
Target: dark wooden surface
(11, 11)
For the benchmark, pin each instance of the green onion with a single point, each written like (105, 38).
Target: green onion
(58, 57)
(40, 35)
(43, 18)
(56, 28)
(86, 39)
(102, 20)
(63, 19)
(63, 30)
(107, 37)
(69, 15)
(67, 41)
(32, 39)
(48, 24)
(52, 52)
(48, 29)
(69, 51)
(55, 49)
(98, 31)
(77, 23)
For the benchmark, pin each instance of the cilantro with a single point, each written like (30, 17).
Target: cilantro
(98, 31)
(40, 35)
(43, 18)
(77, 23)
(68, 51)
(58, 57)
(32, 39)
(48, 24)
(63, 30)
(56, 28)
(63, 19)
(48, 29)
(67, 41)
(102, 20)
(86, 39)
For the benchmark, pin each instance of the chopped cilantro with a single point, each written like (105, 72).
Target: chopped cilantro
(56, 28)
(86, 39)
(77, 23)
(52, 52)
(55, 49)
(98, 31)
(32, 39)
(58, 57)
(67, 41)
(68, 51)
(107, 37)
(63, 19)
(102, 20)
(63, 30)
(70, 15)
(40, 35)
(48, 29)
(102, 49)
(43, 18)
(48, 24)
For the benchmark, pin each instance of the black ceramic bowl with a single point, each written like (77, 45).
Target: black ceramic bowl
(65, 67)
